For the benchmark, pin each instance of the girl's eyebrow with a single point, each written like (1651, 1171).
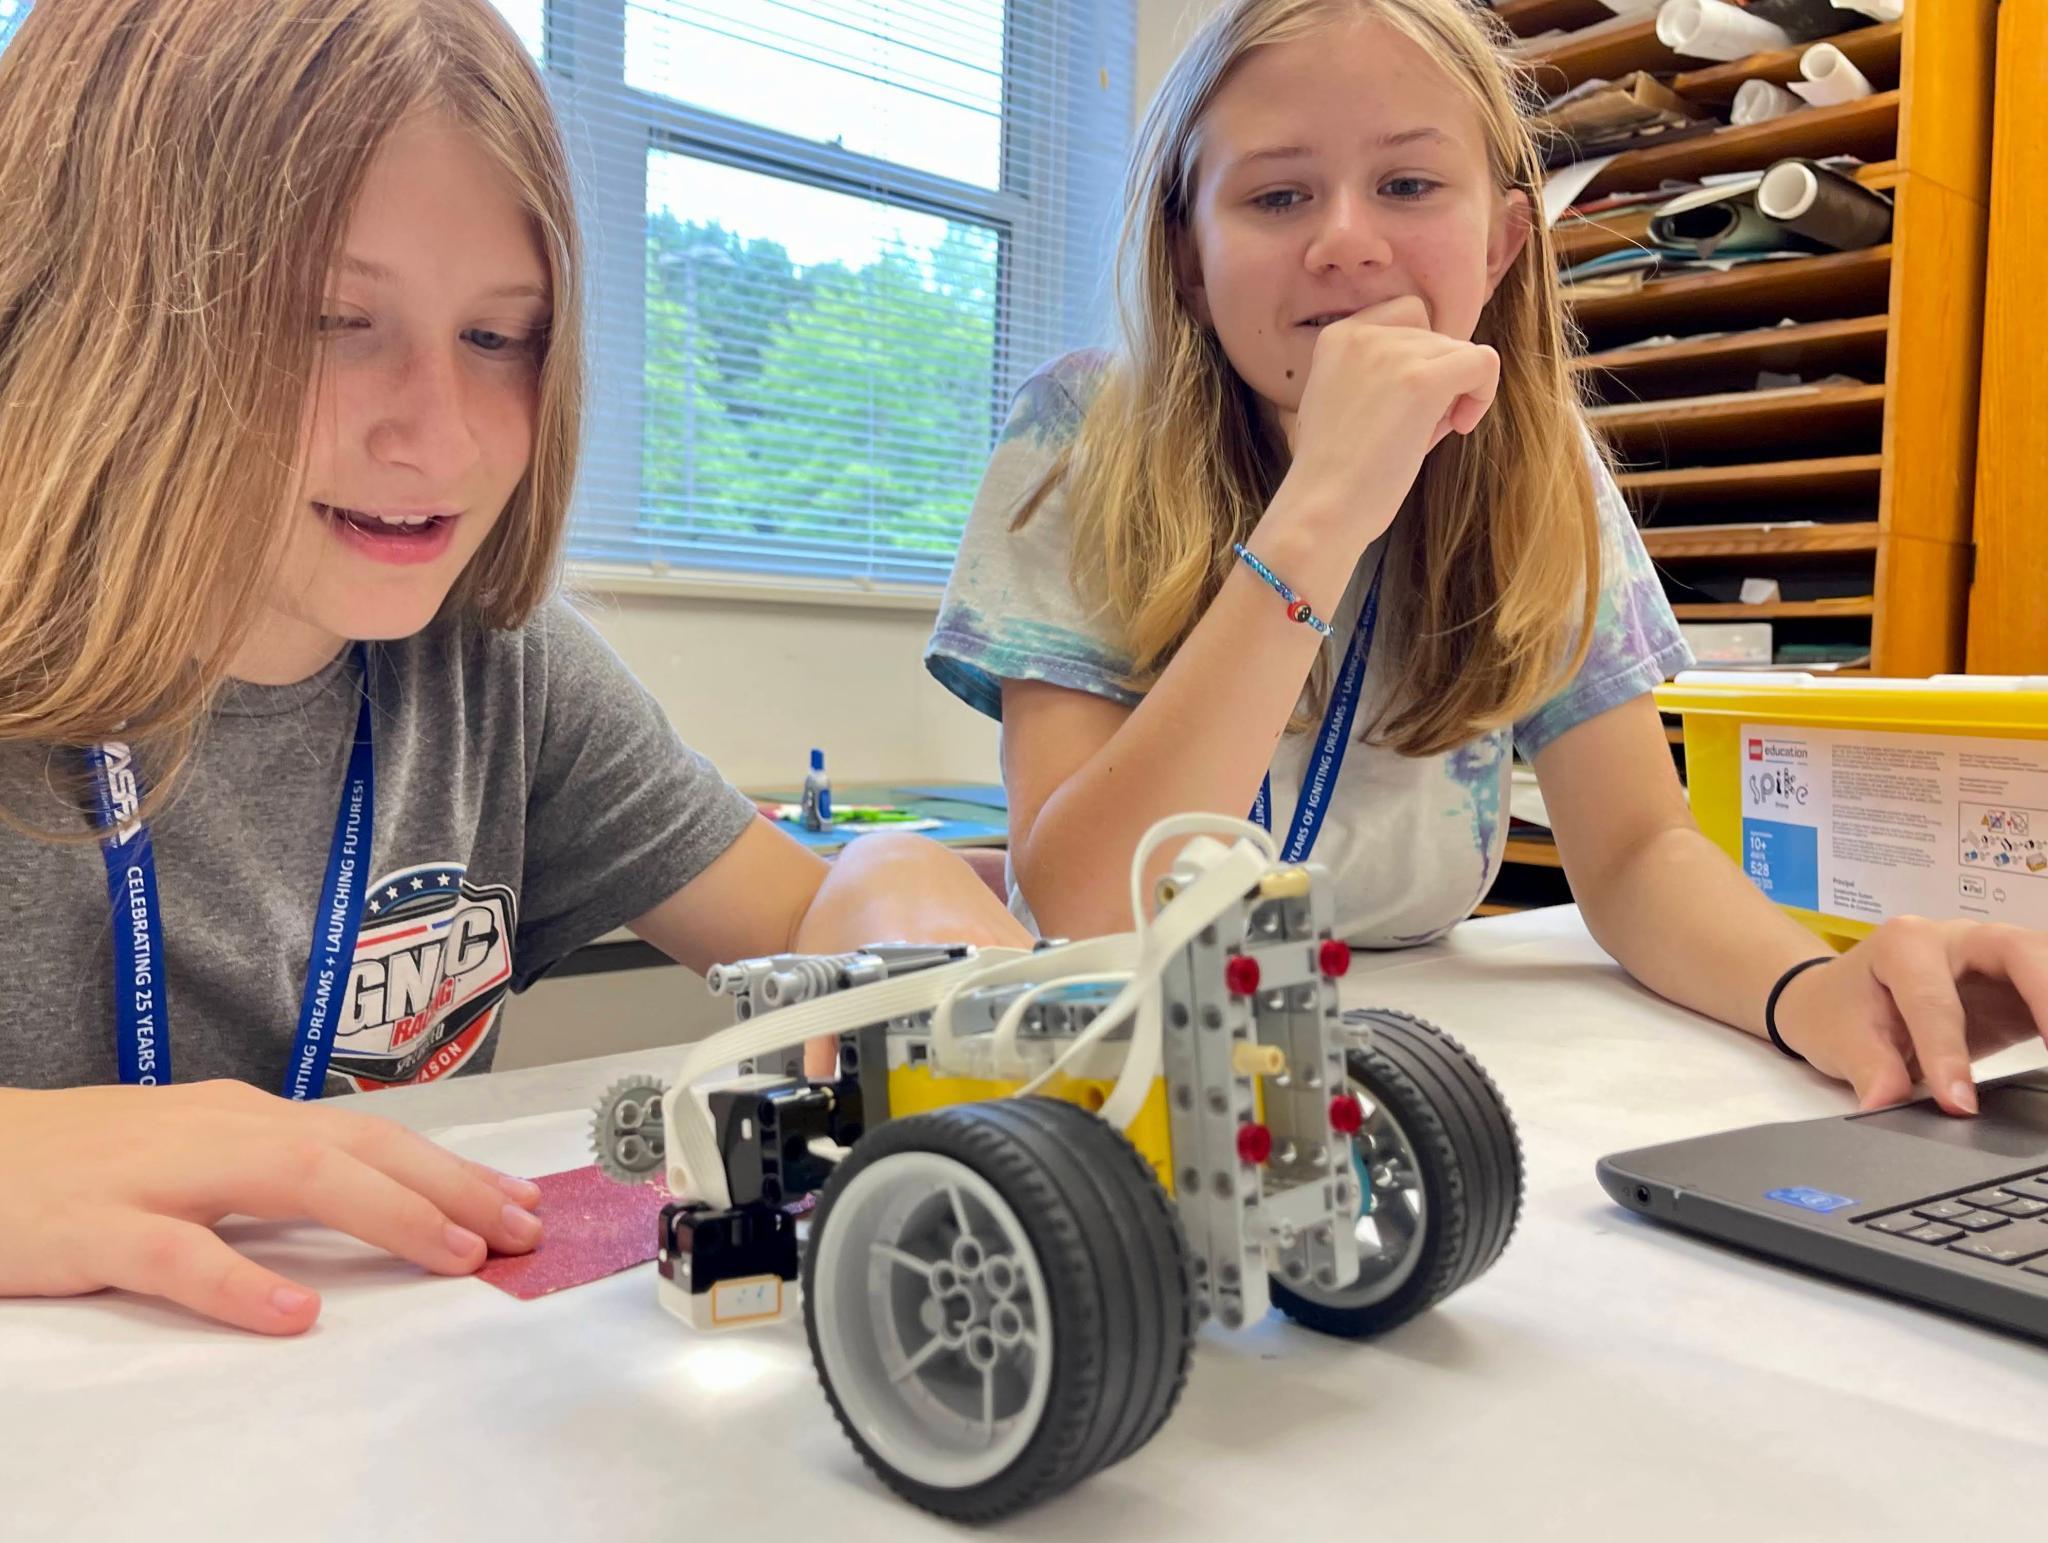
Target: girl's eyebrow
(1413, 136)
(1390, 141)
(377, 273)
(1275, 153)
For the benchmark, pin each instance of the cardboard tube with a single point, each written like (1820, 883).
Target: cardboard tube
(1759, 101)
(1830, 77)
(1711, 29)
(1824, 206)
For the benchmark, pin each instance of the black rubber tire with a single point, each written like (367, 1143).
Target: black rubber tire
(1115, 1262)
(1469, 1159)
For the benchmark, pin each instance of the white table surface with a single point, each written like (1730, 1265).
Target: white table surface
(1606, 1379)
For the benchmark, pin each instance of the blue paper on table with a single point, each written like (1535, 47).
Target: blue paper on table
(947, 832)
(990, 795)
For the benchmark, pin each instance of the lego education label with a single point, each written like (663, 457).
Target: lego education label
(1867, 825)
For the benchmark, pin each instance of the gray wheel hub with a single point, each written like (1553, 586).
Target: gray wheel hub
(933, 1319)
(1394, 1217)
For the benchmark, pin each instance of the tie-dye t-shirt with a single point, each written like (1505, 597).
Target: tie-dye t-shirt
(1413, 842)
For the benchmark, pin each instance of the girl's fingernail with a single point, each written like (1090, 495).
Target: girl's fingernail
(525, 1191)
(289, 1301)
(462, 1241)
(1963, 1093)
(522, 1224)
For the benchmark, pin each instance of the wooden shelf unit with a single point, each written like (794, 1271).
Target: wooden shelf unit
(1528, 849)
(1873, 50)
(1677, 543)
(1867, 128)
(1854, 345)
(1795, 482)
(1584, 238)
(1752, 296)
(1528, 18)
(1606, 50)
(2009, 595)
(1745, 422)
(1884, 460)
(1868, 480)
(1776, 610)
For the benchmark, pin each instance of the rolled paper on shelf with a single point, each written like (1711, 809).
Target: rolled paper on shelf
(1807, 20)
(1759, 101)
(1712, 29)
(1876, 10)
(1830, 77)
(1711, 220)
(1824, 206)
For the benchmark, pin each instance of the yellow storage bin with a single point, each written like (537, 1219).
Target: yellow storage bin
(1850, 800)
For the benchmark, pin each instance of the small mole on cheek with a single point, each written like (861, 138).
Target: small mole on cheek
(1290, 374)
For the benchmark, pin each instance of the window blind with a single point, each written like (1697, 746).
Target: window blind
(829, 240)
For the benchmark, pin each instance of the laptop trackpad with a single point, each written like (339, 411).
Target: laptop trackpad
(2012, 1121)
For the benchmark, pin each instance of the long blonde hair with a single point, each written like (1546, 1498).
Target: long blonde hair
(1172, 463)
(176, 178)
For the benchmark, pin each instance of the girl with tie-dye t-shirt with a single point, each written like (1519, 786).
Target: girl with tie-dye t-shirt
(1413, 841)
(1327, 539)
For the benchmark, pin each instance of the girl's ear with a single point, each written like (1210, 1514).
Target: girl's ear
(1187, 275)
(1511, 225)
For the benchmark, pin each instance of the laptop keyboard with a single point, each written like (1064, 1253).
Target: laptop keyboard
(2004, 1223)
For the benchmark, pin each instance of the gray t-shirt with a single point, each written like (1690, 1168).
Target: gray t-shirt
(530, 796)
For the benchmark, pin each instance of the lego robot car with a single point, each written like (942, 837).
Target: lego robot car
(1033, 1175)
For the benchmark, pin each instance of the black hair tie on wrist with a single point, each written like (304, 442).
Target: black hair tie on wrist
(1771, 1006)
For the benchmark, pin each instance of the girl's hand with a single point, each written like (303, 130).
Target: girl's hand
(1918, 1000)
(121, 1186)
(903, 888)
(1382, 392)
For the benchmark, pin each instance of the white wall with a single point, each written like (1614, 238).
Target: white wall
(754, 682)
(1163, 25)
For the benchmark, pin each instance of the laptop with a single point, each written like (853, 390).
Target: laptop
(1950, 1213)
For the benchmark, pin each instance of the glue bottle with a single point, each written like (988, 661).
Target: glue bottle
(817, 795)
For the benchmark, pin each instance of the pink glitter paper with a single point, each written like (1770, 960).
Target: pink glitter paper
(594, 1228)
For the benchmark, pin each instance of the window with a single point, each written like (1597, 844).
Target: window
(829, 239)
(11, 13)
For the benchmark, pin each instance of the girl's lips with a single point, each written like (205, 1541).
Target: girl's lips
(401, 545)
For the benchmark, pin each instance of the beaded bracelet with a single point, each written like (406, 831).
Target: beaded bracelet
(1297, 608)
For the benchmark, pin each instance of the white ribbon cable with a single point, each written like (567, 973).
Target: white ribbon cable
(1176, 927)
(1004, 1055)
(1110, 955)
(1194, 908)
(1190, 825)
(695, 1170)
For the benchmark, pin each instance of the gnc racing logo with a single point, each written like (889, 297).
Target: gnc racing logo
(432, 965)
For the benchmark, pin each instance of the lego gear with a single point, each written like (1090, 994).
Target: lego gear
(626, 1133)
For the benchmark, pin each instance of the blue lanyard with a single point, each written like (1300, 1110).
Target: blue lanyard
(141, 998)
(1320, 781)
